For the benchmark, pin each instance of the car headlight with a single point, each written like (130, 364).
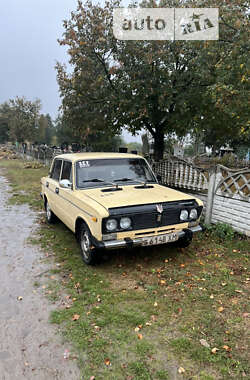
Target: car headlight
(193, 214)
(111, 225)
(184, 215)
(125, 223)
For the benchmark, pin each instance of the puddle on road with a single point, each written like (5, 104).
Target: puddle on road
(29, 346)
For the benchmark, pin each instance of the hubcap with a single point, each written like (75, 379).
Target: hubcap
(48, 210)
(85, 244)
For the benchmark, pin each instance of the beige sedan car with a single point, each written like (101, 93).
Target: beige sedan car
(113, 200)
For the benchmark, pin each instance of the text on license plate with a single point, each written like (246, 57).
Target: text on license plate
(162, 239)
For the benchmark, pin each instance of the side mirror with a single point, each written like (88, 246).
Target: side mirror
(65, 183)
(159, 178)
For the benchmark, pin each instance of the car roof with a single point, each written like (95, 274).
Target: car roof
(95, 155)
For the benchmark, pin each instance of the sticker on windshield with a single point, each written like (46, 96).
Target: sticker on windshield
(84, 164)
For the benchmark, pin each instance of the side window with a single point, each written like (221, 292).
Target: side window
(56, 170)
(67, 171)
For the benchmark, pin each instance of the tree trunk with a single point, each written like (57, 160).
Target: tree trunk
(158, 145)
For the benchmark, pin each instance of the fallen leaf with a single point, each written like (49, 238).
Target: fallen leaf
(107, 362)
(212, 297)
(214, 350)
(66, 354)
(162, 282)
(245, 315)
(220, 309)
(92, 378)
(239, 291)
(155, 304)
(182, 265)
(181, 370)
(139, 336)
(137, 329)
(227, 348)
(204, 343)
(223, 283)
(75, 317)
(148, 324)
(153, 318)
(166, 261)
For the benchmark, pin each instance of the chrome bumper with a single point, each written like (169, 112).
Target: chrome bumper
(129, 243)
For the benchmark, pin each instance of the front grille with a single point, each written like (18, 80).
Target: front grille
(147, 216)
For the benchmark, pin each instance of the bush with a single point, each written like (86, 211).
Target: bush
(222, 230)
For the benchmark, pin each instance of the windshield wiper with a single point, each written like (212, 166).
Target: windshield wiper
(124, 179)
(94, 180)
(101, 180)
(144, 183)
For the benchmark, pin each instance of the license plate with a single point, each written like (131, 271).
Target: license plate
(161, 239)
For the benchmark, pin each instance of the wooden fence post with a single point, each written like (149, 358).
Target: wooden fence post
(210, 196)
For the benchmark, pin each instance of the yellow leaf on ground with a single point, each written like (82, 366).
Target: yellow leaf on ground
(220, 309)
(181, 370)
(227, 348)
(75, 317)
(214, 350)
(139, 336)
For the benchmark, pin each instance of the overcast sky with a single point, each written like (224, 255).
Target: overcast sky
(29, 30)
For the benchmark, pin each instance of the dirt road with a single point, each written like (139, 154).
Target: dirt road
(29, 345)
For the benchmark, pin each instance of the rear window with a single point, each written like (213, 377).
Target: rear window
(56, 170)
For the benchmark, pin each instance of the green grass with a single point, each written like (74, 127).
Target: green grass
(173, 298)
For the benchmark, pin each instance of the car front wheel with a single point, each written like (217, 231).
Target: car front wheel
(89, 253)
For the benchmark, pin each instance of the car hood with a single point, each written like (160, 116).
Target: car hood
(131, 196)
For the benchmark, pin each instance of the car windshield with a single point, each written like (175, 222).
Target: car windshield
(115, 171)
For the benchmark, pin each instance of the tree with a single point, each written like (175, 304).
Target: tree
(45, 130)
(50, 131)
(99, 140)
(4, 122)
(42, 128)
(162, 86)
(23, 119)
(116, 84)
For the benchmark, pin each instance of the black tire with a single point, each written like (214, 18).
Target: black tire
(88, 252)
(50, 216)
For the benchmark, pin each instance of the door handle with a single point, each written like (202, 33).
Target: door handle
(57, 190)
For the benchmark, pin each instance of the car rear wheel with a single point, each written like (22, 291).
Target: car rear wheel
(89, 253)
(50, 216)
